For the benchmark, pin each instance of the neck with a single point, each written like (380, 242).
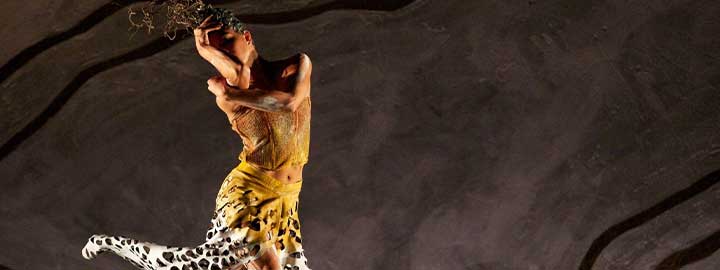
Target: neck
(257, 66)
(252, 70)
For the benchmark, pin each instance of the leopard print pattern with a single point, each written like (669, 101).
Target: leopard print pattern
(222, 250)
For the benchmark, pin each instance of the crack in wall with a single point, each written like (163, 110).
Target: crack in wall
(691, 254)
(639, 219)
(150, 49)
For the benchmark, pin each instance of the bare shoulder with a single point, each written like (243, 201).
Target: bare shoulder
(303, 60)
(303, 67)
(293, 74)
(292, 65)
(297, 58)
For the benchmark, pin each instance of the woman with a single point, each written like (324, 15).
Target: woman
(255, 224)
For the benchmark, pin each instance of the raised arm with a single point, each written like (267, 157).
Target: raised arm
(221, 61)
(268, 100)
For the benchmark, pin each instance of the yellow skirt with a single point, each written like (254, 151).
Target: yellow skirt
(266, 210)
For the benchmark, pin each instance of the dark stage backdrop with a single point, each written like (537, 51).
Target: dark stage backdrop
(537, 135)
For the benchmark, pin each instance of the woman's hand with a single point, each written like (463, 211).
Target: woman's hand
(216, 85)
(202, 38)
(224, 64)
(201, 33)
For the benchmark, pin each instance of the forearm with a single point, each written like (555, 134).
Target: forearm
(222, 62)
(264, 100)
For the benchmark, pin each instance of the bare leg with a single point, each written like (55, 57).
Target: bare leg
(268, 261)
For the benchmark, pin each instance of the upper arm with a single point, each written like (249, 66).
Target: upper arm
(301, 88)
(275, 100)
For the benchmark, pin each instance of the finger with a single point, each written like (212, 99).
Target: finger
(206, 36)
(199, 38)
(216, 27)
(206, 21)
(210, 26)
(201, 34)
(207, 31)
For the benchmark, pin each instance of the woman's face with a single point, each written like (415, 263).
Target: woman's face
(232, 42)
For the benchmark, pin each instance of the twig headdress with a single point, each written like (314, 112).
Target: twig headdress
(183, 14)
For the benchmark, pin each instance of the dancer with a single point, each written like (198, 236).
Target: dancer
(255, 224)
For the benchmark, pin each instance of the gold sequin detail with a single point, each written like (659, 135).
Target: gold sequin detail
(273, 140)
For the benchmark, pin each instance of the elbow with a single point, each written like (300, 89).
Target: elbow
(292, 104)
(289, 107)
(272, 104)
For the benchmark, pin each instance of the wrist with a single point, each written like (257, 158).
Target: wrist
(226, 94)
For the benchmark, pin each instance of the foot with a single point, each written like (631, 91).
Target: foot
(93, 247)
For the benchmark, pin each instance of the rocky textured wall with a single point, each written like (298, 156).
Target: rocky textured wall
(530, 134)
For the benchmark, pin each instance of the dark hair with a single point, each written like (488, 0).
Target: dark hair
(183, 14)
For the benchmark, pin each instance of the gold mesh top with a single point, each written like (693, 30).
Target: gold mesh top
(273, 140)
